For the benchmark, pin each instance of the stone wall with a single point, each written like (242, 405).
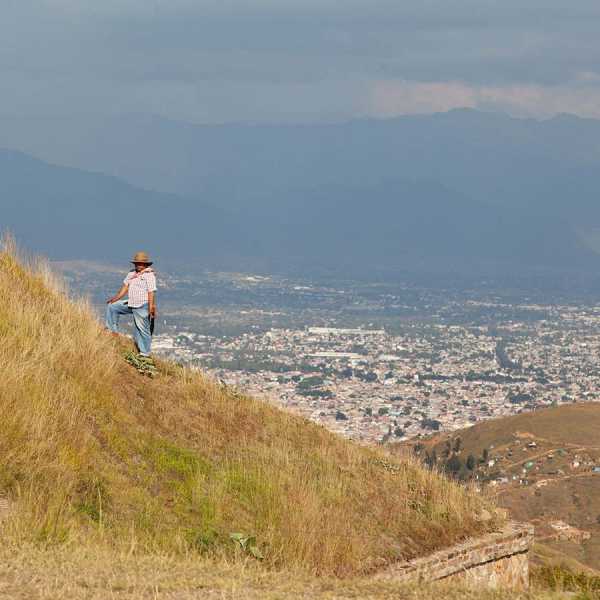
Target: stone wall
(499, 559)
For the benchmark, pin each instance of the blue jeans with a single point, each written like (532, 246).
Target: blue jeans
(141, 320)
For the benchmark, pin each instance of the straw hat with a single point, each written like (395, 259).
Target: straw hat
(141, 257)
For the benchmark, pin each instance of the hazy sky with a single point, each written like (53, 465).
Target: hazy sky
(297, 60)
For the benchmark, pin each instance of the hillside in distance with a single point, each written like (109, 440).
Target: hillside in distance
(70, 213)
(355, 230)
(543, 466)
(486, 157)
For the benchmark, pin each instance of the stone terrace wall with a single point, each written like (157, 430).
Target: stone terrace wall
(498, 559)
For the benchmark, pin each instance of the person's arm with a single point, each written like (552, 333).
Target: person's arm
(150, 280)
(151, 304)
(119, 294)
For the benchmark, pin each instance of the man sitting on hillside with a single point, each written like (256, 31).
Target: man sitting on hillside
(140, 285)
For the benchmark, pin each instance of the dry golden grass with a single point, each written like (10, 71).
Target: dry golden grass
(91, 451)
(92, 574)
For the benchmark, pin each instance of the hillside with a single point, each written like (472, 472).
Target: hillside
(541, 467)
(66, 213)
(90, 450)
(467, 192)
(481, 155)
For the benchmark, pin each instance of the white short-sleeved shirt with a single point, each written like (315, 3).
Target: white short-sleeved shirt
(139, 286)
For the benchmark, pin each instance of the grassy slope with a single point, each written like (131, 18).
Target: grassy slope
(91, 450)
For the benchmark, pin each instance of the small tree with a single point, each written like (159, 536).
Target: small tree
(454, 465)
(447, 449)
(428, 460)
(470, 462)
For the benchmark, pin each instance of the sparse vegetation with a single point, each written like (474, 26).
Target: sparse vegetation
(582, 585)
(542, 468)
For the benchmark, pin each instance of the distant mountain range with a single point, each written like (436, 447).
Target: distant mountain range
(67, 213)
(453, 189)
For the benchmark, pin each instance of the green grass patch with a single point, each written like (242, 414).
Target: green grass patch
(180, 462)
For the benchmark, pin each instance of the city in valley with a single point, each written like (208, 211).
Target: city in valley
(374, 362)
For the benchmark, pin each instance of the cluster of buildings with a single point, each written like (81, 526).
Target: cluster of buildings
(387, 362)
(373, 386)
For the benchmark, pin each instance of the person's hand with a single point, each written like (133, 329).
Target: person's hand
(152, 311)
(111, 300)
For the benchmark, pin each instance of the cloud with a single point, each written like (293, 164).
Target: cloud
(261, 60)
(394, 98)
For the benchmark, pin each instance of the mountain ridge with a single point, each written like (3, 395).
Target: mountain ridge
(71, 213)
